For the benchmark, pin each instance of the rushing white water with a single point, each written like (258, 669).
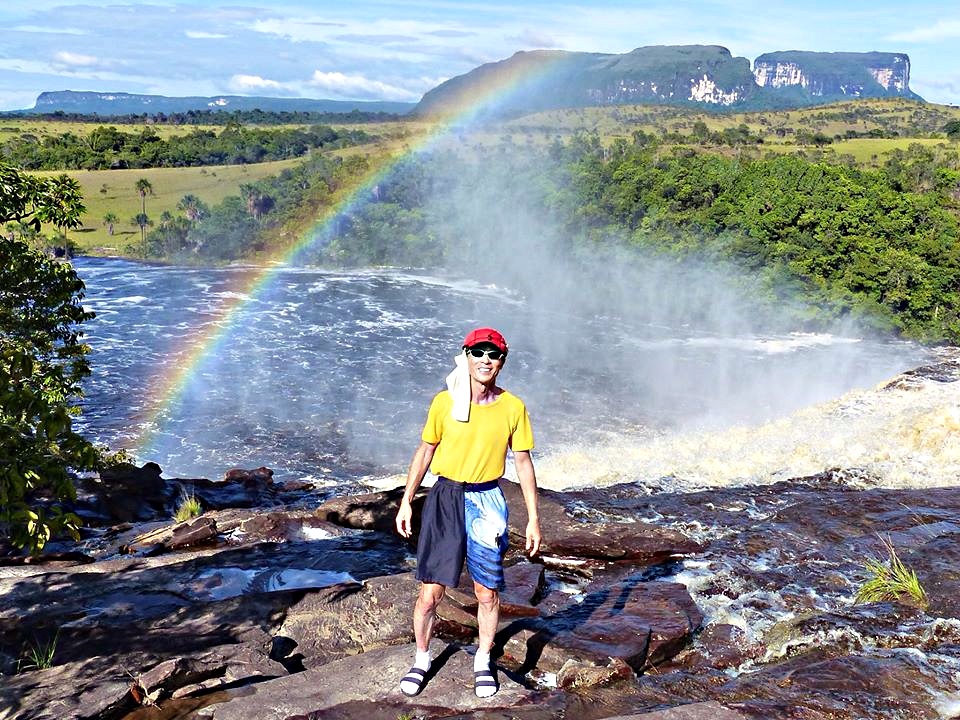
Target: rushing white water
(326, 376)
(900, 434)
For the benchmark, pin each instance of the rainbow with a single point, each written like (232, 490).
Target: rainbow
(165, 392)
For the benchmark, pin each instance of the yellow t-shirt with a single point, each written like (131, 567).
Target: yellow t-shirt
(476, 451)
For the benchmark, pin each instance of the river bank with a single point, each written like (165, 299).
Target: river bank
(733, 601)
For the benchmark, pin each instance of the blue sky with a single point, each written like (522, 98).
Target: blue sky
(377, 50)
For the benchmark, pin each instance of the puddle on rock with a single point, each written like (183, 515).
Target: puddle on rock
(224, 583)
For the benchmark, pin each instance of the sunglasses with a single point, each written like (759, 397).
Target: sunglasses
(493, 354)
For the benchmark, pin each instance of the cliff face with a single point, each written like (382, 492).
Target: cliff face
(686, 73)
(676, 74)
(540, 79)
(835, 75)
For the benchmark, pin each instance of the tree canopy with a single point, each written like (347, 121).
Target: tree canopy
(42, 363)
(28, 199)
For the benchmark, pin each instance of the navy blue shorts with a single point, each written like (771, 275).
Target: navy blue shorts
(463, 521)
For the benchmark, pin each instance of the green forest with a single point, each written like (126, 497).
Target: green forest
(106, 147)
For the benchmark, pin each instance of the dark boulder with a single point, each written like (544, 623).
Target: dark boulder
(370, 511)
(124, 493)
(640, 623)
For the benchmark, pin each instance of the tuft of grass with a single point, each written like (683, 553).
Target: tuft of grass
(890, 579)
(188, 507)
(39, 655)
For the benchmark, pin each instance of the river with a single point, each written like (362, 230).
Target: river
(326, 376)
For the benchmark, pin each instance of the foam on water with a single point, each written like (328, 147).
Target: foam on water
(771, 345)
(899, 436)
(948, 706)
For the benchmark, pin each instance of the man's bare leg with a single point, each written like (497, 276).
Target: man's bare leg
(424, 616)
(488, 618)
(425, 613)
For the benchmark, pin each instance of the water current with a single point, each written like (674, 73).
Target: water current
(326, 376)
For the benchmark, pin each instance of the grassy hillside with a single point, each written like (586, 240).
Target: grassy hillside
(13, 126)
(897, 121)
(114, 191)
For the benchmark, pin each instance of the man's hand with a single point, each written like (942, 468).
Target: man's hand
(418, 468)
(533, 538)
(404, 519)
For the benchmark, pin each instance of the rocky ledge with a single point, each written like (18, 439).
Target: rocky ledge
(725, 604)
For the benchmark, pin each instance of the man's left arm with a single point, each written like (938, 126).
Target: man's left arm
(528, 484)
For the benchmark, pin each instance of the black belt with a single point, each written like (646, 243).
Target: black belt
(474, 487)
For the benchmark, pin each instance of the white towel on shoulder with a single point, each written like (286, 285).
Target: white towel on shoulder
(458, 383)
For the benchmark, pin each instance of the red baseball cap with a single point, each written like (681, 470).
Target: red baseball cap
(485, 335)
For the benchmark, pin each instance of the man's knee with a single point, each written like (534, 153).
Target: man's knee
(486, 596)
(430, 596)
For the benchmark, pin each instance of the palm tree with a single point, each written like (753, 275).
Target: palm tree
(109, 220)
(193, 207)
(142, 221)
(144, 188)
(258, 203)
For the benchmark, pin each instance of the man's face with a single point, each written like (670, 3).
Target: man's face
(484, 369)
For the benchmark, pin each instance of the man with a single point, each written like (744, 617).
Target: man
(464, 442)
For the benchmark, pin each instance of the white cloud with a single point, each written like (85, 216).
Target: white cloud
(47, 29)
(201, 35)
(309, 30)
(243, 83)
(942, 30)
(70, 59)
(355, 87)
(944, 90)
(296, 30)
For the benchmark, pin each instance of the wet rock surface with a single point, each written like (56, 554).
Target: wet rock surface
(726, 603)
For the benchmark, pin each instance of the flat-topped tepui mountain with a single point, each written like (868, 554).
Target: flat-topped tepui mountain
(704, 75)
(121, 103)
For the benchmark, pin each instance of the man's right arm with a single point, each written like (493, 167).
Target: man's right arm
(418, 469)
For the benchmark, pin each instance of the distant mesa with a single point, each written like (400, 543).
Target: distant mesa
(836, 75)
(705, 76)
(698, 75)
(117, 103)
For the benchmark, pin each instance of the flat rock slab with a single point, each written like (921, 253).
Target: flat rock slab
(327, 624)
(373, 675)
(693, 711)
(137, 612)
(108, 687)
